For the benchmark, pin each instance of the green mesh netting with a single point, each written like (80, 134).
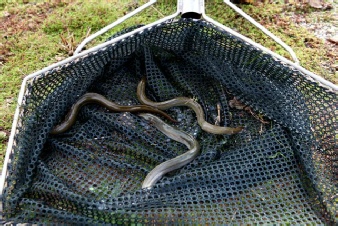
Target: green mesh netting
(283, 168)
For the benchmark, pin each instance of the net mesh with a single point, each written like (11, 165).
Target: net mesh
(283, 168)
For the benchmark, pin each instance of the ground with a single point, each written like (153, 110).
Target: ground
(35, 34)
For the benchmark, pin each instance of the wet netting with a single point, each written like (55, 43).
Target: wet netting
(282, 168)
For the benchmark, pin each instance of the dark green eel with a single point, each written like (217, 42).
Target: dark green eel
(95, 98)
(188, 102)
(194, 149)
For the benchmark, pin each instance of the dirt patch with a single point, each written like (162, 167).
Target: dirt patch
(17, 22)
(323, 24)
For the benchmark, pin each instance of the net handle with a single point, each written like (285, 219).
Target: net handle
(186, 7)
(198, 7)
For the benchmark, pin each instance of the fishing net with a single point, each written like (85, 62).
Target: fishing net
(282, 168)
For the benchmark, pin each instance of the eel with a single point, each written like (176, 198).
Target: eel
(95, 98)
(188, 102)
(188, 140)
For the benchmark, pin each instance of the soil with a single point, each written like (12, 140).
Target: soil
(324, 25)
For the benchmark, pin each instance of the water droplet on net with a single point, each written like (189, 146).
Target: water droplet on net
(196, 130)
(101, 205)
(179, 117)
(223, 141)
(145, 125)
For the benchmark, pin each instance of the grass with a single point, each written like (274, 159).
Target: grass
(35, 35)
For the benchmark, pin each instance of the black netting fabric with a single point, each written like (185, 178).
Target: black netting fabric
(282, 168)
